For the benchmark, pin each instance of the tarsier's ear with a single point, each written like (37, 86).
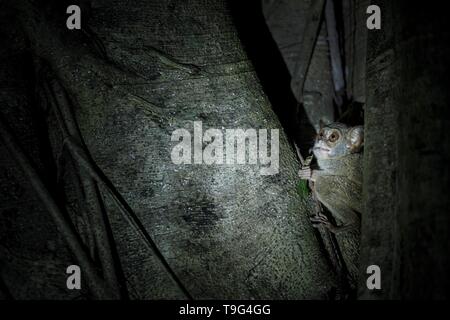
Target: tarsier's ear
(355, 138)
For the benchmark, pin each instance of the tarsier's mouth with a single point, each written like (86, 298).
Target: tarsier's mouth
(321, 149)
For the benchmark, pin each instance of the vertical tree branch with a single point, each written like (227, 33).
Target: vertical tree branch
(337, 69)
(308, 43)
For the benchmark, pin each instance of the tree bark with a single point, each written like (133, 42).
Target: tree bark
(226, 231)
(405, 229)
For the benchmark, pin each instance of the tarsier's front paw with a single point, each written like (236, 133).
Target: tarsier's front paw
(321, 220)
(305, 173)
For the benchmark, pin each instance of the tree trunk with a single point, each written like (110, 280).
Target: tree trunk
(138, 73)
(405, 228)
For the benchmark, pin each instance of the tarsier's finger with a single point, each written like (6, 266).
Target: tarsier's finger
(317, 220)
(303, 173)
(323, 216)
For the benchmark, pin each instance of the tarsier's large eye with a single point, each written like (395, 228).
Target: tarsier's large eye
(333, 137)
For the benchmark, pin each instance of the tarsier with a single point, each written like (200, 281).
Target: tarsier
(337, 180)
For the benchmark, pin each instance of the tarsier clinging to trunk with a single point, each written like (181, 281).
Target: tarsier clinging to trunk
(337, 180)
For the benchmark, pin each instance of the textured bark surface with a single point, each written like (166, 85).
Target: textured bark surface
(33, 255)
(406, 224)
(227, 231)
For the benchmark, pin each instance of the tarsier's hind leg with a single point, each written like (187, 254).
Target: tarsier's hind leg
(341, 211)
